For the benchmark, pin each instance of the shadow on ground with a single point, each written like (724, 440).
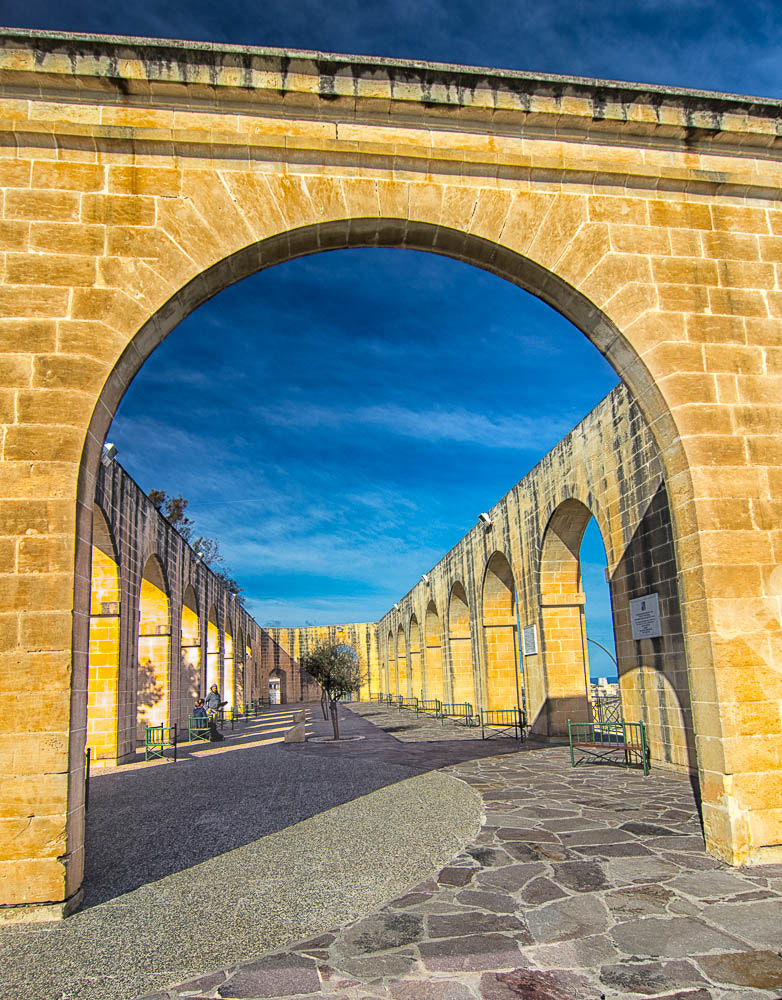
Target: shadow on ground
(149, 822)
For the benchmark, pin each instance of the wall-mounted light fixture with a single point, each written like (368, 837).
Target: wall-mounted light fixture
(485, 519)
(425, 577)
(199, 556)
(396, 607)
(108, 454)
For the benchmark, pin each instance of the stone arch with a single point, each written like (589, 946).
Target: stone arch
(190, 651)
(229, 674)
(535, 218)
(460, 646)
(153, 682)
(433, 638)
(393, 675)
(239, 668)
(104, 649)
(500, 635)
(213, 664)
(562, 624)
(401, 662)
(416, 676)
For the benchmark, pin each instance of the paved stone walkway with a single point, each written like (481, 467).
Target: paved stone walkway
(582, 883)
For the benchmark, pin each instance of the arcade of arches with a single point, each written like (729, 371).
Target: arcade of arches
(140, 178)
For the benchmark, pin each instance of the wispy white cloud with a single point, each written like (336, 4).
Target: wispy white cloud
(435, 425)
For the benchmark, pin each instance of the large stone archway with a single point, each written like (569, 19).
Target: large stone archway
(140, 178)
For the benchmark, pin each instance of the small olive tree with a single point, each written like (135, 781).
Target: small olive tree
(337, 670)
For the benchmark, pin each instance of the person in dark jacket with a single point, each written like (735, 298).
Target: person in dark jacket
(213, 706)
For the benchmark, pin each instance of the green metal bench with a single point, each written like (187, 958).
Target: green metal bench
(159, 739)
(408, 703)
(429, 706)
(620, 743)
(502, 722)
(458, 710)
(197, 728)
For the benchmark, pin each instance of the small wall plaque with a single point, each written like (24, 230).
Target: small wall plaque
(529, 640)
(645, 617)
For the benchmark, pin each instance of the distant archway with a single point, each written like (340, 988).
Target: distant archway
(213, 672)
(229, 678)
(393, 674)
(416, 679)
(153, 681)
(503, 688)
(460, 646)
(563, 625)
(433, 631)
(103, 669)
(191, 650)
(401, 663)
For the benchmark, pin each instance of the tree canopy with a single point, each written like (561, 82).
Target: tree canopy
(336, 667)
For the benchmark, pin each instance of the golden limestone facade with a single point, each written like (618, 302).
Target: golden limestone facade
(455, 635)
(138, 178)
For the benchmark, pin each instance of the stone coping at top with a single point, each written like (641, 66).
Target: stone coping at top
(123, 68)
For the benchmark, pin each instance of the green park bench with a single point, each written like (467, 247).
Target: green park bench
(457, 710)
(408, 703)
(197, 728)
(159, 739)
(507, 722)
(620, 743)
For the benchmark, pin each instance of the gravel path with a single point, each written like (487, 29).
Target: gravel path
(235, 850)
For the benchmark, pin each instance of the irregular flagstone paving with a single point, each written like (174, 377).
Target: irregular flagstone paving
(582, 884)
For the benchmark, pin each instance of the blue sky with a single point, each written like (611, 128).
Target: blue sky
(339, 421)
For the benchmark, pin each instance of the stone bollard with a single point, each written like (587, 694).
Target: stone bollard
(299, 716)
(296, 734)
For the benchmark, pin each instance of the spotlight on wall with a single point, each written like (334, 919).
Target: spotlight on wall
(484, 519)
(425, 577)
(199, 556)
(396, 607)
(109, 453)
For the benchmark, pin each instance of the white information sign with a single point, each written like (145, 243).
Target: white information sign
(645, 617)
(529, 640)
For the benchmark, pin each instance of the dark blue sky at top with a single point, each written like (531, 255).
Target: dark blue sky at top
(339, 421)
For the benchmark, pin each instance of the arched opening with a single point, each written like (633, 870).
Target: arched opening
(153, 680)
(393, 675)
(191, 651)
(503, 684)
(239, 669)
(434, 654)
(103, 669)
(229, 678)
(562, 623)
(401, 664)
(460, 647)
(213, 672)
(604, 692)
(509, 265)
(416, 679)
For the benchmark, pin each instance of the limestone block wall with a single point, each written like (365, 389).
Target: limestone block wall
(523, 570)
(298, 641)
(161, 663)
(139, 178)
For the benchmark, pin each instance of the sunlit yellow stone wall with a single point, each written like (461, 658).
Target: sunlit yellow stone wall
(138, 179)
